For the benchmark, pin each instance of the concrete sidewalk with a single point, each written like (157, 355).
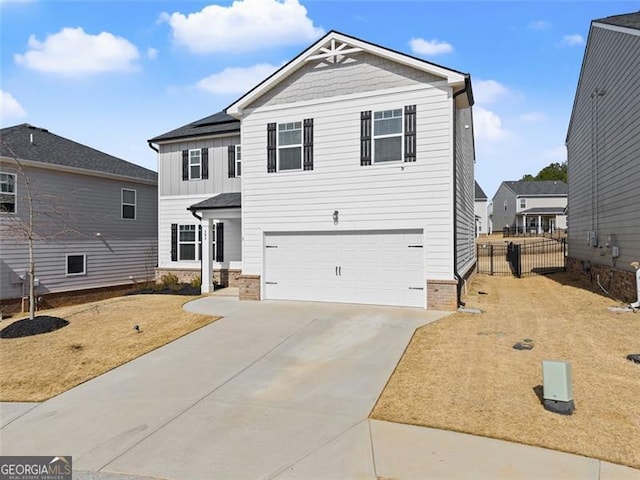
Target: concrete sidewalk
(272, 390)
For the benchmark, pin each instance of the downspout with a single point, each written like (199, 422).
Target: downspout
(459, 301)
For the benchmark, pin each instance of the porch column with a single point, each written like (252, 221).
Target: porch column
(524, 223)
(539, 224)
(207, 257)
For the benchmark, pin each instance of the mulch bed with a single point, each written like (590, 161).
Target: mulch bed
(27, 327)
(181, 289)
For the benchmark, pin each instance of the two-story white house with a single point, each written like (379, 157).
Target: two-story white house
(531, 207)
(357, 171)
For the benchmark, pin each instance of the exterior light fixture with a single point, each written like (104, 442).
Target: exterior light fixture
(335, 217)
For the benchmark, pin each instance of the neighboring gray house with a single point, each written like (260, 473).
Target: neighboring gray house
(356, 170)
(535, 207)
(480, 208)
(94, 215)
(603, 147)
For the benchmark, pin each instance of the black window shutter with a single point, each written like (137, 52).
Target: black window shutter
(174, 242)
(271, 147)
(185, 164)
(219, 242)
(365, 138)
(205, 163)
(199, 244)
(231, 154)
(307, 144)
(410, 133)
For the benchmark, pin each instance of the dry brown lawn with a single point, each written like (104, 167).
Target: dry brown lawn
(99, 337)
(462, 374)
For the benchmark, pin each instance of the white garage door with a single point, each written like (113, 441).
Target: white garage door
(373, 267)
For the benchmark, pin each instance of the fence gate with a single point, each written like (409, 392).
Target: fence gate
(522, 259)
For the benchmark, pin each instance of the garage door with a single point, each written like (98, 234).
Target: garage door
(373, 267)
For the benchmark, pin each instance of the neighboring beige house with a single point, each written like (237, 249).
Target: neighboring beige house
(532, 208)
(603, 147)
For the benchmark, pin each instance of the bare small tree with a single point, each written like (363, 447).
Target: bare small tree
(28, 228)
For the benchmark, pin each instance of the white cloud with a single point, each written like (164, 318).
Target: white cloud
(532, 117)
(429, 47)
(488, 91)
(572, 40)
(539, 25)
(236, 80)
(9, 106)
(71, 51)
(245, 25)
(487, 125)
(152, 53)
(556, 154)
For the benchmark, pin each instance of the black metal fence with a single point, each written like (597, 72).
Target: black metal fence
(522, 259)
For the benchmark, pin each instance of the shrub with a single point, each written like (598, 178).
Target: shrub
(169, 280)
(196, 282)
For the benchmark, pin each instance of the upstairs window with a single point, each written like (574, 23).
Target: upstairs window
(387, 136)
(290, 146)
(238, 160)
(195, 165)
(523, 203)
(128, 204)
(7, 193)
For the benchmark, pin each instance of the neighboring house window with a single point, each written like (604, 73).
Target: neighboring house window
(523, 203)
(189, 240)
(238, 160)
(76, 264)
(195, 165)
(505, 205)
(128, 204)
(290, 146)
(7, 193)
(387, 136)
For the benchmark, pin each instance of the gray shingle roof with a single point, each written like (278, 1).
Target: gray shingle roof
(213, 124)
(222, 200)
(480, 195)
(629, 20)
(547, 187)
(543, 211)
(50, 148)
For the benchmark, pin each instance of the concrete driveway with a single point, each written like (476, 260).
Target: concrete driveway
(249, 396)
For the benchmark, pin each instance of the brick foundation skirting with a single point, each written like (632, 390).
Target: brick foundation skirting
(184, 275)
(442, 294)
(249, 287)
(619, 283)
(223, 277)
(62, 299)
(227, 278)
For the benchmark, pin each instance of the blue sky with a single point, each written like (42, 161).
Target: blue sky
(112, 74)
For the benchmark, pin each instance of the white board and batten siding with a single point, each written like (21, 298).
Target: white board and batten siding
(379, 197)
(603, 155)
(124, 251)
(176, 194)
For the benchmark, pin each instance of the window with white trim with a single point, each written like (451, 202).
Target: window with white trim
(195, 164)
(523, 203)
(238, 160)
(189, 242)
(76, 264)
(387, 136)
(128, 204)
(7, 192)
(290, 146)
